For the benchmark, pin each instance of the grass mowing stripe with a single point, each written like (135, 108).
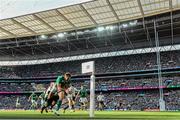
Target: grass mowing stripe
(121, 115)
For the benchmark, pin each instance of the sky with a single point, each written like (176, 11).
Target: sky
(13, 8)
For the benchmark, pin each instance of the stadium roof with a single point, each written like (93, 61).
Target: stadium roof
(83, 15)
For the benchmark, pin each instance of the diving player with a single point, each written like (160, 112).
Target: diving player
(62, 85)
(57, 92)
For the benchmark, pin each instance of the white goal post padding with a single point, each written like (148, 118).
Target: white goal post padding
(89, 67)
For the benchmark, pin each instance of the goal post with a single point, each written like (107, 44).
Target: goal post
(89, 67)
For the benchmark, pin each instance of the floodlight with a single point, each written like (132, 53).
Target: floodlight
(133, 22)
(100, 29)
(43, 37)
(125, 25)
(109, 27)
(60, 35)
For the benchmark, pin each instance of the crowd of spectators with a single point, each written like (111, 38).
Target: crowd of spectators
(129, 100)
(130, 83)
(124, 100)
(100, 84)
(143, 82)
(9, 101)
(141, 100)
(102, 65)
(15, 87)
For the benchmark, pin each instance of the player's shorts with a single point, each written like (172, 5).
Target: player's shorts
(69, 96)
(74, 98)
(46, 94)
(33, 102)
(18, 104)
(54, 98)
(101, 102)
(83, 100)
(42, 102)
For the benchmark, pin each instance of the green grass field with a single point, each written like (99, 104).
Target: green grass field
(118, 115)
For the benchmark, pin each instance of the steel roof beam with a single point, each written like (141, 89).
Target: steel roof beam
(66, 19)
(7, 32)
(92, 19)
(140, 7)
(112, 9)
(23, 26)
(44, 22)
(172, 29)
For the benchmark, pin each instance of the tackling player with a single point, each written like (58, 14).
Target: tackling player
(62, 84)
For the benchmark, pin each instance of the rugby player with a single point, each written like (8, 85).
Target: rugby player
(83, 100)
(33, 98)
(100, 99)
(71, 98)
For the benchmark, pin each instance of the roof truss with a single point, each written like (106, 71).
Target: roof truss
(84, 15)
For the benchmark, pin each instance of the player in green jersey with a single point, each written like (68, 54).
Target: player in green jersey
(42, 98)
(62, 84)
(33, 98)
(83, 100)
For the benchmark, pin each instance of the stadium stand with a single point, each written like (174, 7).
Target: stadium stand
(103, 65)
(128, 100)
(100, 84)
(133, 100)
(123, 37)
